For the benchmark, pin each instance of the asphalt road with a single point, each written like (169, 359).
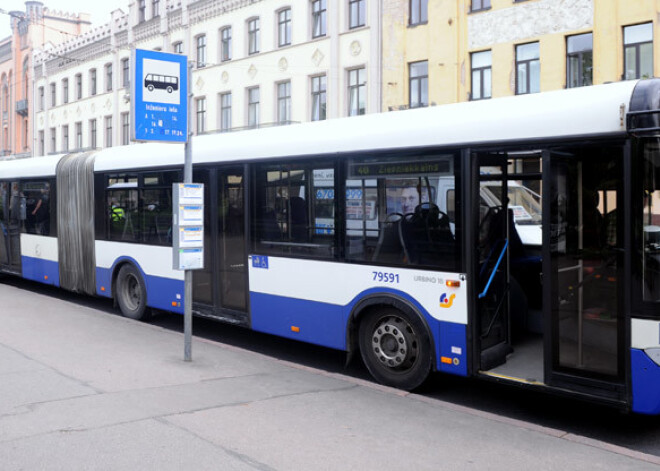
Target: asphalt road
(638, 433)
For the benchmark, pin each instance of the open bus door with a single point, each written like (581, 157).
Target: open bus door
(583, 270)
(12, 215)
(493, 333)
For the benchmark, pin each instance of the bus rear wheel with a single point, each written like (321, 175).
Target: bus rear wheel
(170, 89)
(131, 293)
(395, 347)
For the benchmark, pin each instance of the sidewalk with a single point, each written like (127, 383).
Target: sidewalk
(85, 390)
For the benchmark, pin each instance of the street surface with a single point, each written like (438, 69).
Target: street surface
(84, 388)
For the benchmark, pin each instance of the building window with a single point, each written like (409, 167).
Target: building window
(357, 12)
(482, 63)
(419, 11)
(53, 96)
(79, 142)
(92, 82)
(284, 27)
(253, 36)
(201, 50)
(225, 43)
(156, 8)
(26, 130)
(357, 96)
(53, 141)
(177, 47)
(125, 129)
(125, 73)
(480, 5)
(108, 77)
(92, 133)
(65, 138)
(142, 7)
(419, 84)
(318, 98)
(108, 131)
(42, 100)
(225, 111)
(253, 107)
(201, 115)
(318, 18)
(65, 90)
(284, 102)
(78, 86)
(579, 60)
(42, 148)
(638, 51)
(528, 69)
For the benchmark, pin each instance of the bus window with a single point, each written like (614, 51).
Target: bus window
(38, 203)
(295, 210)
(651, 221)
(411, 226)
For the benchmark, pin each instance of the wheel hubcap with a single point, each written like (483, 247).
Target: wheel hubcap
(394, 343)
(133, 292)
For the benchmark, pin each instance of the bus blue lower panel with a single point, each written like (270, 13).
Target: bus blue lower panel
(645, 383)
(310, 321)
(325, 324)
(43, 271)
(162, 293)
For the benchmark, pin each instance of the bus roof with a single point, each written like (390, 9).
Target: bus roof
(586, 111)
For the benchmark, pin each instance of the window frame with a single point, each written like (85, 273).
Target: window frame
(418, 12)
(200, 51)
(423, 85)
(225, 43)
(481, 71)
(225, 111)
(284, 101)
(360, 89)
(580, 56)
(482, 5)
(319, 18)
(319, 111)
(637, 48)
(284, 27)
(357, 14)
(254, 35)
(253, 110)
(527, 63)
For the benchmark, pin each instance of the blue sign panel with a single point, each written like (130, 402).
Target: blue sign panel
(159, 102)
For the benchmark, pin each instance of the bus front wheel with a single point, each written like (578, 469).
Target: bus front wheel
(170, 89)
(131, 293)
(395, 347)
(150, 88)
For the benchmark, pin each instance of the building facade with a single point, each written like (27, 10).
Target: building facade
(31, 29)
(255, 63)
(458, 50)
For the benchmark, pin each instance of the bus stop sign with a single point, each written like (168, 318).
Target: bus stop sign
(159, 91)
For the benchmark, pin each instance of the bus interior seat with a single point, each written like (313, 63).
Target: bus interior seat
(388, 247)
(426, 235)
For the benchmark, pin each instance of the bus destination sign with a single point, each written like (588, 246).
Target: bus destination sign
(390, 169)
(160, 97)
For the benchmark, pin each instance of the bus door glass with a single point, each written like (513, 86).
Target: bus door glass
(583, 265)
(12, 219)
(493, 271)
(220, 288)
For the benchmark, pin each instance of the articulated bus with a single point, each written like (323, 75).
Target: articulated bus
(372, 235)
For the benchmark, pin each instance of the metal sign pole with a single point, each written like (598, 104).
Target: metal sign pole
(187, 178)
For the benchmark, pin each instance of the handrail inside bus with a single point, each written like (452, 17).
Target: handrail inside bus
(497, 265)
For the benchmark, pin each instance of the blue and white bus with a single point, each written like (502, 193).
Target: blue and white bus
(411, 284)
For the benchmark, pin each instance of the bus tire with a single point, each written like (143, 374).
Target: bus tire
(395, 347)
(131, 293)
(170, 89)
(150, 88)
